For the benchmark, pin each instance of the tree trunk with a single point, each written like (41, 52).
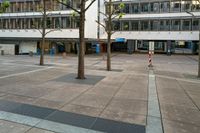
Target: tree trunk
(81, 74)
(43, 33)
(109, 53)
(199, 55)
(109, 37)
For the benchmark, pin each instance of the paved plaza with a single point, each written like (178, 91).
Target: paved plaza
(131, 98)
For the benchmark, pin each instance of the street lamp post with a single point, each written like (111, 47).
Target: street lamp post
(193, 16)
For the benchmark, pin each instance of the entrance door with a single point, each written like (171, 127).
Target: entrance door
(16, 49)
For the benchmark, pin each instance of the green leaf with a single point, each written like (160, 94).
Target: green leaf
(5, 4)
(121, 6)
(74, 14)
(121, 15)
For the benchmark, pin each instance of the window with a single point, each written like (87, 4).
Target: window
(126, 8)
(154, 7)
(186, 5)
(175, 6)
(144, 25)
(176, 25)
(135, 25)
(57, 22)
(164, 25)
(116, 25)
(195, 24)
(154, 25)
(164, 7)
(135, 8)
(49, 23)
(144, 7)
(125, 25)
(195, 5)
(186, 25)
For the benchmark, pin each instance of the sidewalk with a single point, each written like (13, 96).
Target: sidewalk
(49, 99)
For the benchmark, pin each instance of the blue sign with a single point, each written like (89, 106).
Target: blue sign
(120, 40)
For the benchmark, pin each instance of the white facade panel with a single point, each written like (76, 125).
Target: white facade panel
(90, 22)
(65, 33)
(160, 15)
(9, 49)
(155, 35)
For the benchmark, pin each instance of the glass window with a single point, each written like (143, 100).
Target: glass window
(144, 7)
(164, 25)
(135, 8)
(154, 7)
(176, 25)
(164, 7)
(186, 5)
(154, 25)
(57, 22)
(49, 22)
(126, 8)
(32, 23)
(135, 25)
(186, 25)
(116, 25)
(175, 6)
(125, 25)
(195, 5)
(144, 25)
(195, 24)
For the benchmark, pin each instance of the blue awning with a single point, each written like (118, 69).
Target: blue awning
(120, 40)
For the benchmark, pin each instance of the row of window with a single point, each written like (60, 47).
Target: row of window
(156, 25)
(36, 23)
(159, 6)
(36, 5)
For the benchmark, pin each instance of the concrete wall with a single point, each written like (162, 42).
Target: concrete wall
(9, 49)
(151, 35)
(65, 33)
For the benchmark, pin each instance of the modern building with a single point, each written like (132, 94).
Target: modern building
(20, 27)
(171, 25)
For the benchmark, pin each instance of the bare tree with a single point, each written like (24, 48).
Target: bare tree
(81, 12)
(112, 14)
(43, 31)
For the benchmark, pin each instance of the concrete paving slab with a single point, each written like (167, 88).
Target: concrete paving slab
(179, 127)
(181, 114)
(48, 103)
(11, 127)
(79, 109)
(124, 117)
(37, 130)
(129, 105)
(92, 100)
(63, 95)
(19, 98)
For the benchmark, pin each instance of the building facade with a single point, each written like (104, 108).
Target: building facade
(172, 25)
(21, 24)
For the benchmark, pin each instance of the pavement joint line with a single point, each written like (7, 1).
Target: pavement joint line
(180, 79)
(17, 74)
(189, 96)
(43, 124)
(154, 122)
